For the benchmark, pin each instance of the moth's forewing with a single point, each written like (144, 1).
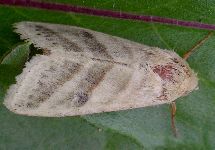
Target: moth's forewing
(89, 72)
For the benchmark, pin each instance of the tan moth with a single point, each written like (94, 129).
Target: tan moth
(86, 72)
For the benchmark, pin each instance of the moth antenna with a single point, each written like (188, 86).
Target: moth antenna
(198, 44)
(173, 112)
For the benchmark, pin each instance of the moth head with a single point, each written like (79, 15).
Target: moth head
(177, 78)
(190, 83)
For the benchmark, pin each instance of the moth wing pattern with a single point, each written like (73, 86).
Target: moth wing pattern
(73, 40)
(88, 72)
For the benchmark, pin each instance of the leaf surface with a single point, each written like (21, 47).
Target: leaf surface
(147, 128)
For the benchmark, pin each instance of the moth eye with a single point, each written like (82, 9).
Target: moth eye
(80, 98)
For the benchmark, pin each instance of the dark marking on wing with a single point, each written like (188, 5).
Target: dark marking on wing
(87, 35)
(163, 95)
(97, 48)
(80, 98)
(96, 75)
(185, 69)
(164, 71)
(150, 53)
(51, 35)
(61, 75)
(90, 81)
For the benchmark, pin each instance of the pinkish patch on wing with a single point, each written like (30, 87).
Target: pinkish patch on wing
(164, 71)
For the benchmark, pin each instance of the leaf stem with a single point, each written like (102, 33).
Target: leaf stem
(107, 13)
(173, 112)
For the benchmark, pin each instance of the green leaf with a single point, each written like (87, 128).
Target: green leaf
(11, 65)
(147, 128)
(18, 56)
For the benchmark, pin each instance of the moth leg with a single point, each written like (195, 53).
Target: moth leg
(173, 112)
(198, 44)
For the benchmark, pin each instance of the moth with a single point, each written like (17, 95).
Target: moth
(85, 72)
